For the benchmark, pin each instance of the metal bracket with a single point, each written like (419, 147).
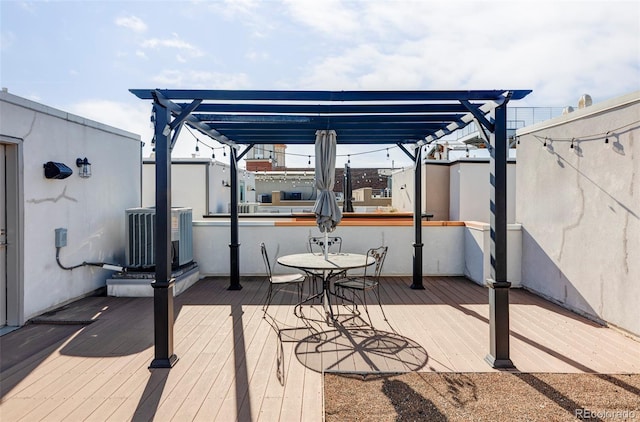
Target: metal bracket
(243, 153)
(185, 113)
(192, 120)
(478, 115)
(402, 147)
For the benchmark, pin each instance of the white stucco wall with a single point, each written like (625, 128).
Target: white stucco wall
(477, 252)
(435, 189)
(580, 210)
(470, 190)
(200, 184)
(402, 189)
(443, 246)
(188, 186)
(454, 191)
(91, 209)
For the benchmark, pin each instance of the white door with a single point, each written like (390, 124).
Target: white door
(3, 237)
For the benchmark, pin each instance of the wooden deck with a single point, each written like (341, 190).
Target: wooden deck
(89, 361)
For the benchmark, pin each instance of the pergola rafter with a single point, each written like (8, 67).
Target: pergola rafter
(408, 119)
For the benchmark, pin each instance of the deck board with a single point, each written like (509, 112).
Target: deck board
(235, 363)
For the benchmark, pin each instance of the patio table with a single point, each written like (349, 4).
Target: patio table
(335, 263)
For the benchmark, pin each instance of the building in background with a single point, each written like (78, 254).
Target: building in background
(202, 184)
(266, 157)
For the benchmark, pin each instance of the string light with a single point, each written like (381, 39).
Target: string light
(546, 142)
(586, 138)
(271, 152)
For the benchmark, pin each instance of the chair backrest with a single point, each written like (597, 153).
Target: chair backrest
(316, 244)
(379, 254)
(265, 258)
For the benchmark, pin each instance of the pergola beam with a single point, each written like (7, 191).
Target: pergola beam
(191, 120)
(478, 115)
(464, 121)
(329, 96)
(331, 119)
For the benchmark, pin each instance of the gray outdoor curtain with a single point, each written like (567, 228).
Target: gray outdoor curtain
(326, 209)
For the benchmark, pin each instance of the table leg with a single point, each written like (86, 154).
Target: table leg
(326, 279)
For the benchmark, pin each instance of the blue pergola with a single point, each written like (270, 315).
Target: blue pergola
(241, 119)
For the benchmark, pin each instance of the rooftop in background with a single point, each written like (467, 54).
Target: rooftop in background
(517, 118)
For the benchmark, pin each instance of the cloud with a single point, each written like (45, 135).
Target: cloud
(241, 6)
(194, 79)
(6, 40)
(561, 50)
(132, 22)
(256, 15)
(174, 43)
(257, 55)
(333, 18)
(132, 117)
(125, 116)
(28, 6)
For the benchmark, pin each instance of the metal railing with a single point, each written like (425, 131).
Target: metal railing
(517, 118)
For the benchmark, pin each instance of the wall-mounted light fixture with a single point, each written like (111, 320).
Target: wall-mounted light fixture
(53, 170)
(225, 184)
(85, 167)
(404, 186)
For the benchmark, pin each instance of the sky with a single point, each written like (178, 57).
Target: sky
(84, 56)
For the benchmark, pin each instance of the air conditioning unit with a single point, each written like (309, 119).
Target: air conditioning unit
(140, 227)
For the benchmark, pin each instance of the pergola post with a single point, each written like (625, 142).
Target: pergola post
(498, 284)
(417, 221)
(163, 285)
(347, 202)
(234, 246)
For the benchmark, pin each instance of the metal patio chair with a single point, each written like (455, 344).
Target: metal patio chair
(279, 281)
(316, 246)
(370, 280)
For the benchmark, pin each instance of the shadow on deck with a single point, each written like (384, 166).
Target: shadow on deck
(90, 359)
